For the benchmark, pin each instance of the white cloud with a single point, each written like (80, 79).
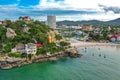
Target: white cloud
(9, 7)
(45, 4)
(103, 17)
(82, 5)
(113, 3)
(77, 4)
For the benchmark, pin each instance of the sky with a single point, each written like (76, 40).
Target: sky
(75, 10)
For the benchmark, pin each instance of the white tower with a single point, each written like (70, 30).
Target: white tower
(51, 21)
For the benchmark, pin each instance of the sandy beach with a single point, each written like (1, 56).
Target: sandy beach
(75, 43)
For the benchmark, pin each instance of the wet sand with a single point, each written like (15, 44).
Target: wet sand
(76, 43)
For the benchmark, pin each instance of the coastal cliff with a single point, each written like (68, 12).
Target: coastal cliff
(11, 62)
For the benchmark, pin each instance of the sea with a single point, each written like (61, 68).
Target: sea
(97, 63)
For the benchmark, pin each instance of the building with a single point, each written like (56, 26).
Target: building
(26, 18)
(51, 21)
(39, 45)
(118, 37)
(109, 28)
(113, 38)
(97, 30)
(87, 28)
(30, 48)
(18, 48)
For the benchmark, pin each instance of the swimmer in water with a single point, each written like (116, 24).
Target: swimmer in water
(93, 54)
(104, 56)
(99, 54)
(98, 48)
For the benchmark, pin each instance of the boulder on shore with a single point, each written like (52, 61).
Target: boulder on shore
(72, 52)
(53, 59)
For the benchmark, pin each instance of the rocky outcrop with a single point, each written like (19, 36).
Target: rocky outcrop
(26, 29)
(10, 62)
(17, 62)
(72, 52)
(10, 33)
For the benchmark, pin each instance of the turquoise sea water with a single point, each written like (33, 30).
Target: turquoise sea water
(97, 63)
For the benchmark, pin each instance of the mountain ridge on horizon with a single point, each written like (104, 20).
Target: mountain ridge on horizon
(114, 23)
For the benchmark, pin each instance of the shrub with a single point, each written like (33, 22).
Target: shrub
(58, 37)
(14, 55)
(63, 43)
(41, 51)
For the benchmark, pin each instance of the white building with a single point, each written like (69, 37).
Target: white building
(30, 48)
(118, 37)
(51, 21)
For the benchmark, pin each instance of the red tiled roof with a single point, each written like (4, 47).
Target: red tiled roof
(26, 17)
(113, 36)
(38, 44)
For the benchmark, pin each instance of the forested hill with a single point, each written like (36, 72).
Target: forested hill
(22, 31)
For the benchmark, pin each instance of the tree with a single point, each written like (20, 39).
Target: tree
(63, 43)
(58, 37)
(7, 48)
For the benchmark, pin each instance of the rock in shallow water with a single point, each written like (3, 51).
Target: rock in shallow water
(73, 52)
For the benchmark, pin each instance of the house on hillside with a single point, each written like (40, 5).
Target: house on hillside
(30, 48)
(26, 18)
(18, 48)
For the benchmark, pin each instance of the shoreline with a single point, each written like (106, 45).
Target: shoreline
(12, 62)
(77, 44)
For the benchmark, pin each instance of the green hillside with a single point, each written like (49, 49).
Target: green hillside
(35, 31)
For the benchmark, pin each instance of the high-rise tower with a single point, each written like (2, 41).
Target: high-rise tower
(51, 21)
